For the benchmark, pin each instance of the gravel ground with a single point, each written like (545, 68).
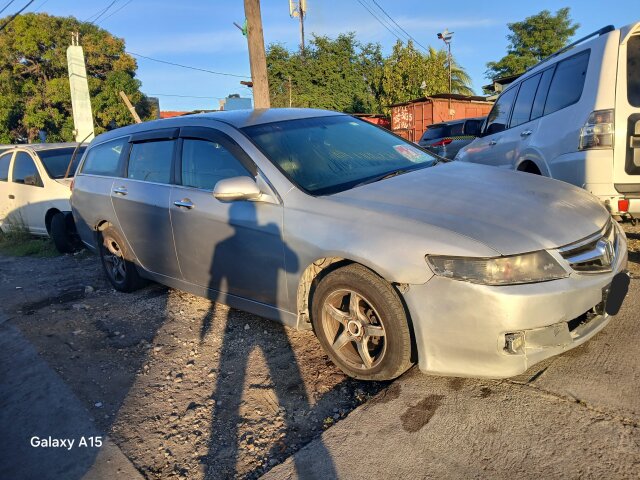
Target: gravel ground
(186, 388)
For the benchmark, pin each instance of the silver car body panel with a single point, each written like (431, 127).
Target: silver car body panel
(389, 226)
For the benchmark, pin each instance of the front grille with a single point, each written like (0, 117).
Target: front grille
(594, 254)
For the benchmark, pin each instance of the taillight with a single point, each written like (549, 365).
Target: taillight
(623, 205)
(598, 131)
(442, 143)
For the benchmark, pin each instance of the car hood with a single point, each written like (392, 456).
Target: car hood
(510, 212)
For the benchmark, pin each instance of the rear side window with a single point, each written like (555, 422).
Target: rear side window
(25, 171)
(151, 161)
(205, 163)
(435, 131)
(541, 94)
(499, 115)
(104, 159)
(568, 82)
(633, 70)
(472, 126)
(5, 160)
(524, 102)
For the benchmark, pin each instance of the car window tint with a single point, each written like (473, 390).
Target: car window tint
(568, 82)
(456, 129)
(499, 115)
(471, 126)
(56, 161)
(633, 67)
(435, 131)
(541, 94)
(205, 163)
(104, 159)
(5, 160)
(25, 170)
(151, 161)
(524, 101)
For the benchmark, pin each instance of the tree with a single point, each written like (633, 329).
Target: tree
(34, 83)
(409, 74)
(533, 39)
(338, 74)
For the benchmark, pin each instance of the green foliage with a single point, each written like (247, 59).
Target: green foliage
(34, 82)
(347, 76)
(18, 242)
(533, 39)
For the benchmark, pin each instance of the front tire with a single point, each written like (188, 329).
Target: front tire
(122, 273)
(361, 324)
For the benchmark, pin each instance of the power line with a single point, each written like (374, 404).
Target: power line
(397, 25)
(188, 66)
(15, 15)
(380, 21)
(40, 6)
(115, 11)
(7, 5)
(180, 96)
(98, 14)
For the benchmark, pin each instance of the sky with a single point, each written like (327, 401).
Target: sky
(200, 33)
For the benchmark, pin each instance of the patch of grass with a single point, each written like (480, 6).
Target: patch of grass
(18, 242)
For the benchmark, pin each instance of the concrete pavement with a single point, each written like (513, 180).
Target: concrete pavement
(574, 416)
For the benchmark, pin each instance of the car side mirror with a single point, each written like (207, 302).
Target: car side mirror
(236, 188)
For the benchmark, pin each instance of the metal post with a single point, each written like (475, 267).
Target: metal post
(449, 45)
(302, 13)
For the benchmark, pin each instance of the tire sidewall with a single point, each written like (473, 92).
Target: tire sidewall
(127, 284)
(60, 234)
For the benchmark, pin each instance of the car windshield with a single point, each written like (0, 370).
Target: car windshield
(326, 155)
(56, 161)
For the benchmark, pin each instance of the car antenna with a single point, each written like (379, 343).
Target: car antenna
(73, 156)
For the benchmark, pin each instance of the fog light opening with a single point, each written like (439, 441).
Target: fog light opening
(514, 343)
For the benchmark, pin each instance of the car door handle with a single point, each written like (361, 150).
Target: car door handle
(185, 202)
(12, 197)
(492, 142)
(634, 141)
(120, 191)
(526, 133)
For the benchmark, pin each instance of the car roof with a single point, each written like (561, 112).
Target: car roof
(236, 118)
(39, 147)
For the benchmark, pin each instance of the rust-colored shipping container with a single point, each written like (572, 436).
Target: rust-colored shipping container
(410, 119)
(376, 119)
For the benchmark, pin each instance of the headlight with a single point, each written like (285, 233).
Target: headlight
(527, 268)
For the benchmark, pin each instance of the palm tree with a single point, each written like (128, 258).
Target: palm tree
(460, 79)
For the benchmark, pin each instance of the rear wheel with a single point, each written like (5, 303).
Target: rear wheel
(122, 273)
(361, 324)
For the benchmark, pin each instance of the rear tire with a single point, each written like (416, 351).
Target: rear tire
(122, 273)
(361, 324)
(62, 235)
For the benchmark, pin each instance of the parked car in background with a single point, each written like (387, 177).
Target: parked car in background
(575, 117)
(445, 139)
(319, 220)
(34, 189)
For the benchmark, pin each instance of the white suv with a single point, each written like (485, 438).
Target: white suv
(34, 189)
(575, 117)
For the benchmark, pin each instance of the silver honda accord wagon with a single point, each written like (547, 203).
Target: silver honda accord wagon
(322, 221)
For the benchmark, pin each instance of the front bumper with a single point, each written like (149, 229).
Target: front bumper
(460, 327)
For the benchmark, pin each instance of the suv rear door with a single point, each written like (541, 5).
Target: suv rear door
(627, 115)
(141, 200)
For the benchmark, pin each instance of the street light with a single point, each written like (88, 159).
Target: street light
(446, 37)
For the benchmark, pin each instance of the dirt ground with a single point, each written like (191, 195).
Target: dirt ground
(185, 388)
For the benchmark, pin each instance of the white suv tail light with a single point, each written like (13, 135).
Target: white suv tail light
(598, 131)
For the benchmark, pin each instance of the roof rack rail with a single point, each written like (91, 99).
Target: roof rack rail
(597, 33)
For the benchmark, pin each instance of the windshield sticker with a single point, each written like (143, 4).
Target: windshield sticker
(411, 154)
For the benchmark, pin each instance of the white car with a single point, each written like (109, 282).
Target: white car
(575, 117)
(34, 189)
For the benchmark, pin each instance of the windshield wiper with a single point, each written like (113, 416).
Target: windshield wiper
(384, 176)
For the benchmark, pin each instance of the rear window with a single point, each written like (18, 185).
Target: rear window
(104, 159)
(568, 82)
(5, 160)
(633, 70)
(151, 161)
(443, 130)
(56, 162)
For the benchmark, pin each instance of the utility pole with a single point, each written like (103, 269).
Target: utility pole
(299, 9)
(257, 55)
(131, 108)
(446, 37)
(289, 91)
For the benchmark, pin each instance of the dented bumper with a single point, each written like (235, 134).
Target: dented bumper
(466, 329)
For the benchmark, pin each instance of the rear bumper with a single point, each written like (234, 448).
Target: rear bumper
(461, 327)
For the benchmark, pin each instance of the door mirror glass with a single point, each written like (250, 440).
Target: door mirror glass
(236, 188)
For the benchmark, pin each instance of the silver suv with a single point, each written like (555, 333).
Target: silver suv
(320, 220)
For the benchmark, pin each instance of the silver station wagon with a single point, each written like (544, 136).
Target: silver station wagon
(321, 221)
